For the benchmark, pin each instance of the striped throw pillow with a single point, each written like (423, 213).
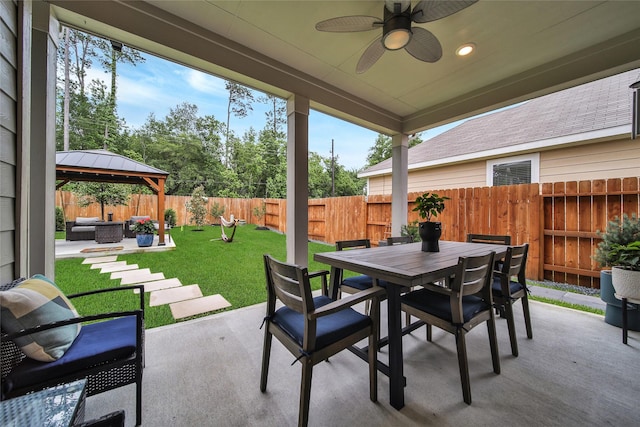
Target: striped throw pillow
(38, 301)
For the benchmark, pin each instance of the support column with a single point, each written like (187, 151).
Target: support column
(297, 229)
(399, 182)
(42, 144)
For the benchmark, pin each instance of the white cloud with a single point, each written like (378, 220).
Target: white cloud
(205, 83)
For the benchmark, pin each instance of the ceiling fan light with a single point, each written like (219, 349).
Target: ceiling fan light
(465, 49)
(396, 39)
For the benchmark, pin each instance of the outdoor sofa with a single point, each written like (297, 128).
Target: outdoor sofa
(127, 225)
(83, 228)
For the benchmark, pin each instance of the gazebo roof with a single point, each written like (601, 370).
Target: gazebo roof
(102, 165)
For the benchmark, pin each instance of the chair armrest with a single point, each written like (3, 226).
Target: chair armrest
(140, 289)
(346, 302)
(323, 276)
(60, 323)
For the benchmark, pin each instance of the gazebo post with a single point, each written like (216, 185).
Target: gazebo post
(161, 212)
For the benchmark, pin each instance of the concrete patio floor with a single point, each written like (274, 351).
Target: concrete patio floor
(206, 372)
(91, 248)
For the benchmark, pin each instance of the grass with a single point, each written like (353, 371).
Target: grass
(234, 270)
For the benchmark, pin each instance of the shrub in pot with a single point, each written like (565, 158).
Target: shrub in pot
(428, 206)
(620, 249)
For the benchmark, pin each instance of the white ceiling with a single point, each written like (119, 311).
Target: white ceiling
(524, 49)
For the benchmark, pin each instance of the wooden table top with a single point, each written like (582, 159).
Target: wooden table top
(407, 265)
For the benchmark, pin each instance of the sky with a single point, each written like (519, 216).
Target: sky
(157, 85)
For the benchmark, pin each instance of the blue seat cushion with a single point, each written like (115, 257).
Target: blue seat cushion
(439, 305)
(362, 282)
(496, 287)
(329, 329)
(113, 339)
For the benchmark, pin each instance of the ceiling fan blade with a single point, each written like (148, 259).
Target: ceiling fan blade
(370, 56)
(432, 10)
(424, 45)
(348, 24)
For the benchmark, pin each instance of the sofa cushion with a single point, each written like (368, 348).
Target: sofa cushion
(38, 301)
(97, 343)
(82, 228)
(82, 220)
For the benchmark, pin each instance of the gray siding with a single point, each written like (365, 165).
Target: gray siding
(8, 126)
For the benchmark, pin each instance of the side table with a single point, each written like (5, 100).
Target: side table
(59, 406)
(109, 232)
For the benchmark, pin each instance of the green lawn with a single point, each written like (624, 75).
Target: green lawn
(234, 270)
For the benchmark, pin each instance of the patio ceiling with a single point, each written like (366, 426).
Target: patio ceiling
(524, 49)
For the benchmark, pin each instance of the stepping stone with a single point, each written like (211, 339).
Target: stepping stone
(167, 296)
(107, 264)
(123, 274)
(116, 268)
(130, 280)
(94, 260)
(191, 307)
(160, 284)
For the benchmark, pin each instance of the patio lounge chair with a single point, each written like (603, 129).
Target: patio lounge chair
(108, 352)
(313, 329)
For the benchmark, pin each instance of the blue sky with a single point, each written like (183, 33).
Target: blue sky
(157, 85)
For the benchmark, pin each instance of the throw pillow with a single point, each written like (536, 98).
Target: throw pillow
(38, 301)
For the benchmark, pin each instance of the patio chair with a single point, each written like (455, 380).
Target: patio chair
(458, 309)
(37, 353)
(313, 329)
(506, 291)
(399, 240)
(489, 238)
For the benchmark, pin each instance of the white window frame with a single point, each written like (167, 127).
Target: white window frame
(534, 158)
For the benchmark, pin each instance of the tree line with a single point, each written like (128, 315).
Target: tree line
(196, 149)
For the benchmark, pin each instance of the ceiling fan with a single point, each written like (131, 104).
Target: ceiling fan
(397, 32)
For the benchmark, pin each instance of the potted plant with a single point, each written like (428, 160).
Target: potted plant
(428, 206)
(612, 251)
(144, 229)
(625, 271)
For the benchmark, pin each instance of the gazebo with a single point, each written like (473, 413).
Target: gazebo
(105, 166)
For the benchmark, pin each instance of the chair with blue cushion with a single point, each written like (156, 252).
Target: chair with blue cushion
(313, 329)
(459, 308)
(108, 350)
(506, 290)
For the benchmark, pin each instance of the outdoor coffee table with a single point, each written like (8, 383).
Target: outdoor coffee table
(109, 232)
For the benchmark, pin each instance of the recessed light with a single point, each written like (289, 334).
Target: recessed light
(465, 49)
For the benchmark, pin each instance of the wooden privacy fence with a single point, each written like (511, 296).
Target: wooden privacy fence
(558, 220)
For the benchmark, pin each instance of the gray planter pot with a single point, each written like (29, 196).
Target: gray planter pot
(613, 310)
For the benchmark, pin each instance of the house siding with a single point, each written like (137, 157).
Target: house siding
(8, 137)
(611, 159)
(603, 160)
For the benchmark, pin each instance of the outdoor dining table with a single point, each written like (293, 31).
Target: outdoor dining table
(402, 266)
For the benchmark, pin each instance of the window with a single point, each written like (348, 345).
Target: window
(513, 170)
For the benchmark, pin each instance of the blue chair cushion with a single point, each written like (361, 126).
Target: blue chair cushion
(362, 282)
(439, 305)
(496, 287)
(113, 339)
(329, 329)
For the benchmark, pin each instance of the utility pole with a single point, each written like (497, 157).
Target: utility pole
(333, 172)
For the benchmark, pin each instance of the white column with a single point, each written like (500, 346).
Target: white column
(42, 145)
(297, 180)
(399, 182)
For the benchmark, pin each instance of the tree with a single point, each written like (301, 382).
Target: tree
(197, 206)
(240, 99)
(101, 192)
(382, 148)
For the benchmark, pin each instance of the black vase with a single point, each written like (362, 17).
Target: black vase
(430, 233)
